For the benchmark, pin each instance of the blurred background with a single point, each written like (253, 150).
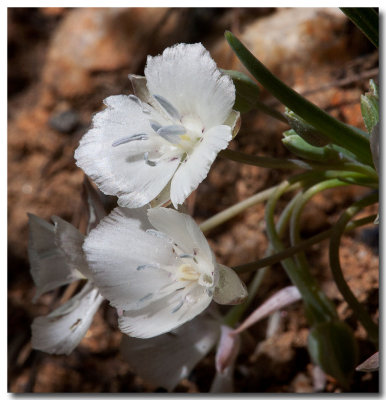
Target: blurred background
(63, 62)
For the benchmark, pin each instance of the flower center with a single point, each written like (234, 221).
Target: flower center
(182, 132)
(190, 273)
(187, 272)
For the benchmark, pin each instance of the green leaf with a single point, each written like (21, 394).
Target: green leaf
(370, 107)
(298, 146)
(338, 132)
(367, 20)
(333, 347)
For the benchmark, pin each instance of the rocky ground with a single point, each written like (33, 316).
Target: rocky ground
(63, 62)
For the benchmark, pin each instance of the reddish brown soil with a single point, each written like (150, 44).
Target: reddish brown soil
(52, 96)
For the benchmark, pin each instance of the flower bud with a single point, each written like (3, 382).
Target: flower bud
(305, 130)
(297, 145)
(333, 347)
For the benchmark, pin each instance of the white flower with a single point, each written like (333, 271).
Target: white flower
(57, 259)
(160, 144)
(160, 271)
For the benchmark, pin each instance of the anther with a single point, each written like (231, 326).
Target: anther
(186, 256)
(158, 234)
(179, 305)
(128, 139)
(147, 297)
(155, 125)
(145, 266)
(139, 102)
(172, 133)
(168, 107)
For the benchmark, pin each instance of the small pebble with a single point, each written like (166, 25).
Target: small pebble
(65, 121)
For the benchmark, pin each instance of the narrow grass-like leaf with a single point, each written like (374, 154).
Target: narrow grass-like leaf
(336, 131)
(367, 20)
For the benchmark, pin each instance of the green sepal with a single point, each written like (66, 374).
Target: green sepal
(370, 107)
(305, 130)
(298, 146)
(333, 347)
(247, 92)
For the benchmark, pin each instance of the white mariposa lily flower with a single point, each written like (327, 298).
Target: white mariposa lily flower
(159, 145)
(159, 270)
(56, 257)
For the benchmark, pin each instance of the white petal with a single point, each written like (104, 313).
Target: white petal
(121, 170)
(163, 199)
(49, 267)
(188, 78)
(227, 349)
(126, 261)
(167, 359)
(195, 169)
(164, 315)
(62, 330)
(183, 230)
(226, 354)
(70, 241)
(280, 299)
(230, 288)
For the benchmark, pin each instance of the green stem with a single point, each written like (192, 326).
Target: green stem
(301, 201)
(336, 131)
(236, 209)
(301, 246)
(270, 162)
(266, 162)
(341, 283)
(236, 312)
(300, 258)
(317, 305)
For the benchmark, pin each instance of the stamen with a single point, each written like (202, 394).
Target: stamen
(172, 133)
(147, 297)
(127, 139)
(158, 234)
(179, 305)
(147, 161)
(168, 107)
(135, 99)
(155, 125)
(186, 256)
(146, 266)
